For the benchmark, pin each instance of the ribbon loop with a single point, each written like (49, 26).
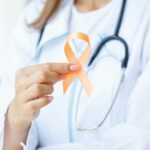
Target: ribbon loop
(82, 61)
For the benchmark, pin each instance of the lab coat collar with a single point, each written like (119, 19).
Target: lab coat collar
(59, 25)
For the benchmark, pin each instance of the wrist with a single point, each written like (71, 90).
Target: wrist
(13, 135)
(15, 124)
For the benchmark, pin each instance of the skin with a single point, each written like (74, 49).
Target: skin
(32, 86)
(90, 5)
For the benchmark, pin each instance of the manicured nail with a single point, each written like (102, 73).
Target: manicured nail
(74, 67)
(50, 98)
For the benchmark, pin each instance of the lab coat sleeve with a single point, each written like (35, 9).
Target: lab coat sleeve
(18, 55)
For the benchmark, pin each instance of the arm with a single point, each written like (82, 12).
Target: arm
(14, 136)
(19, 44)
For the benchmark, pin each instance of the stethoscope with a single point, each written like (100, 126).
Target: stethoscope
(115, 37)
(124, 63)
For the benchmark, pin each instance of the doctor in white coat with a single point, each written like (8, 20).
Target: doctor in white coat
(34, 112)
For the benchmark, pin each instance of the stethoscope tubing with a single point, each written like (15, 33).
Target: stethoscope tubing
(123, 66)
(104, 42)
(115, 36)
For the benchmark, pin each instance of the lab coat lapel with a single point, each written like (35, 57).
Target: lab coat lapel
(58, 26)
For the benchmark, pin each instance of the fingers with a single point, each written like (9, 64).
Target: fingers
(57, 72)
(39, 79)
(35, 91)
(43, 77)
(50, 73)
(30, 69)
(35, 105)
(64, 68)
(55, 67)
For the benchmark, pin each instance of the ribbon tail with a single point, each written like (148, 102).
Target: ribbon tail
(67, 82)
(85, 82)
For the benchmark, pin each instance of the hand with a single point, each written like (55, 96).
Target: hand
(32, 87)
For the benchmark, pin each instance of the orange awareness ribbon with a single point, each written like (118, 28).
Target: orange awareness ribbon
(81, 62)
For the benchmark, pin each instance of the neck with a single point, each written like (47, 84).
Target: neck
(90, 5)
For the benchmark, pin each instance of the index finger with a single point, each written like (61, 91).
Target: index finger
(64, 68)
(55, 67)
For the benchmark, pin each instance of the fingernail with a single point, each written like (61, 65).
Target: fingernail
(50, 98)
(74, 67)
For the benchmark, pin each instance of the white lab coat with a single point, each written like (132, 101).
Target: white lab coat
(128, 125)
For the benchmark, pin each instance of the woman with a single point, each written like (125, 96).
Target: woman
(118, 112)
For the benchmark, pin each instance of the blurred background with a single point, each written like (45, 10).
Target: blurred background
(9, 12)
